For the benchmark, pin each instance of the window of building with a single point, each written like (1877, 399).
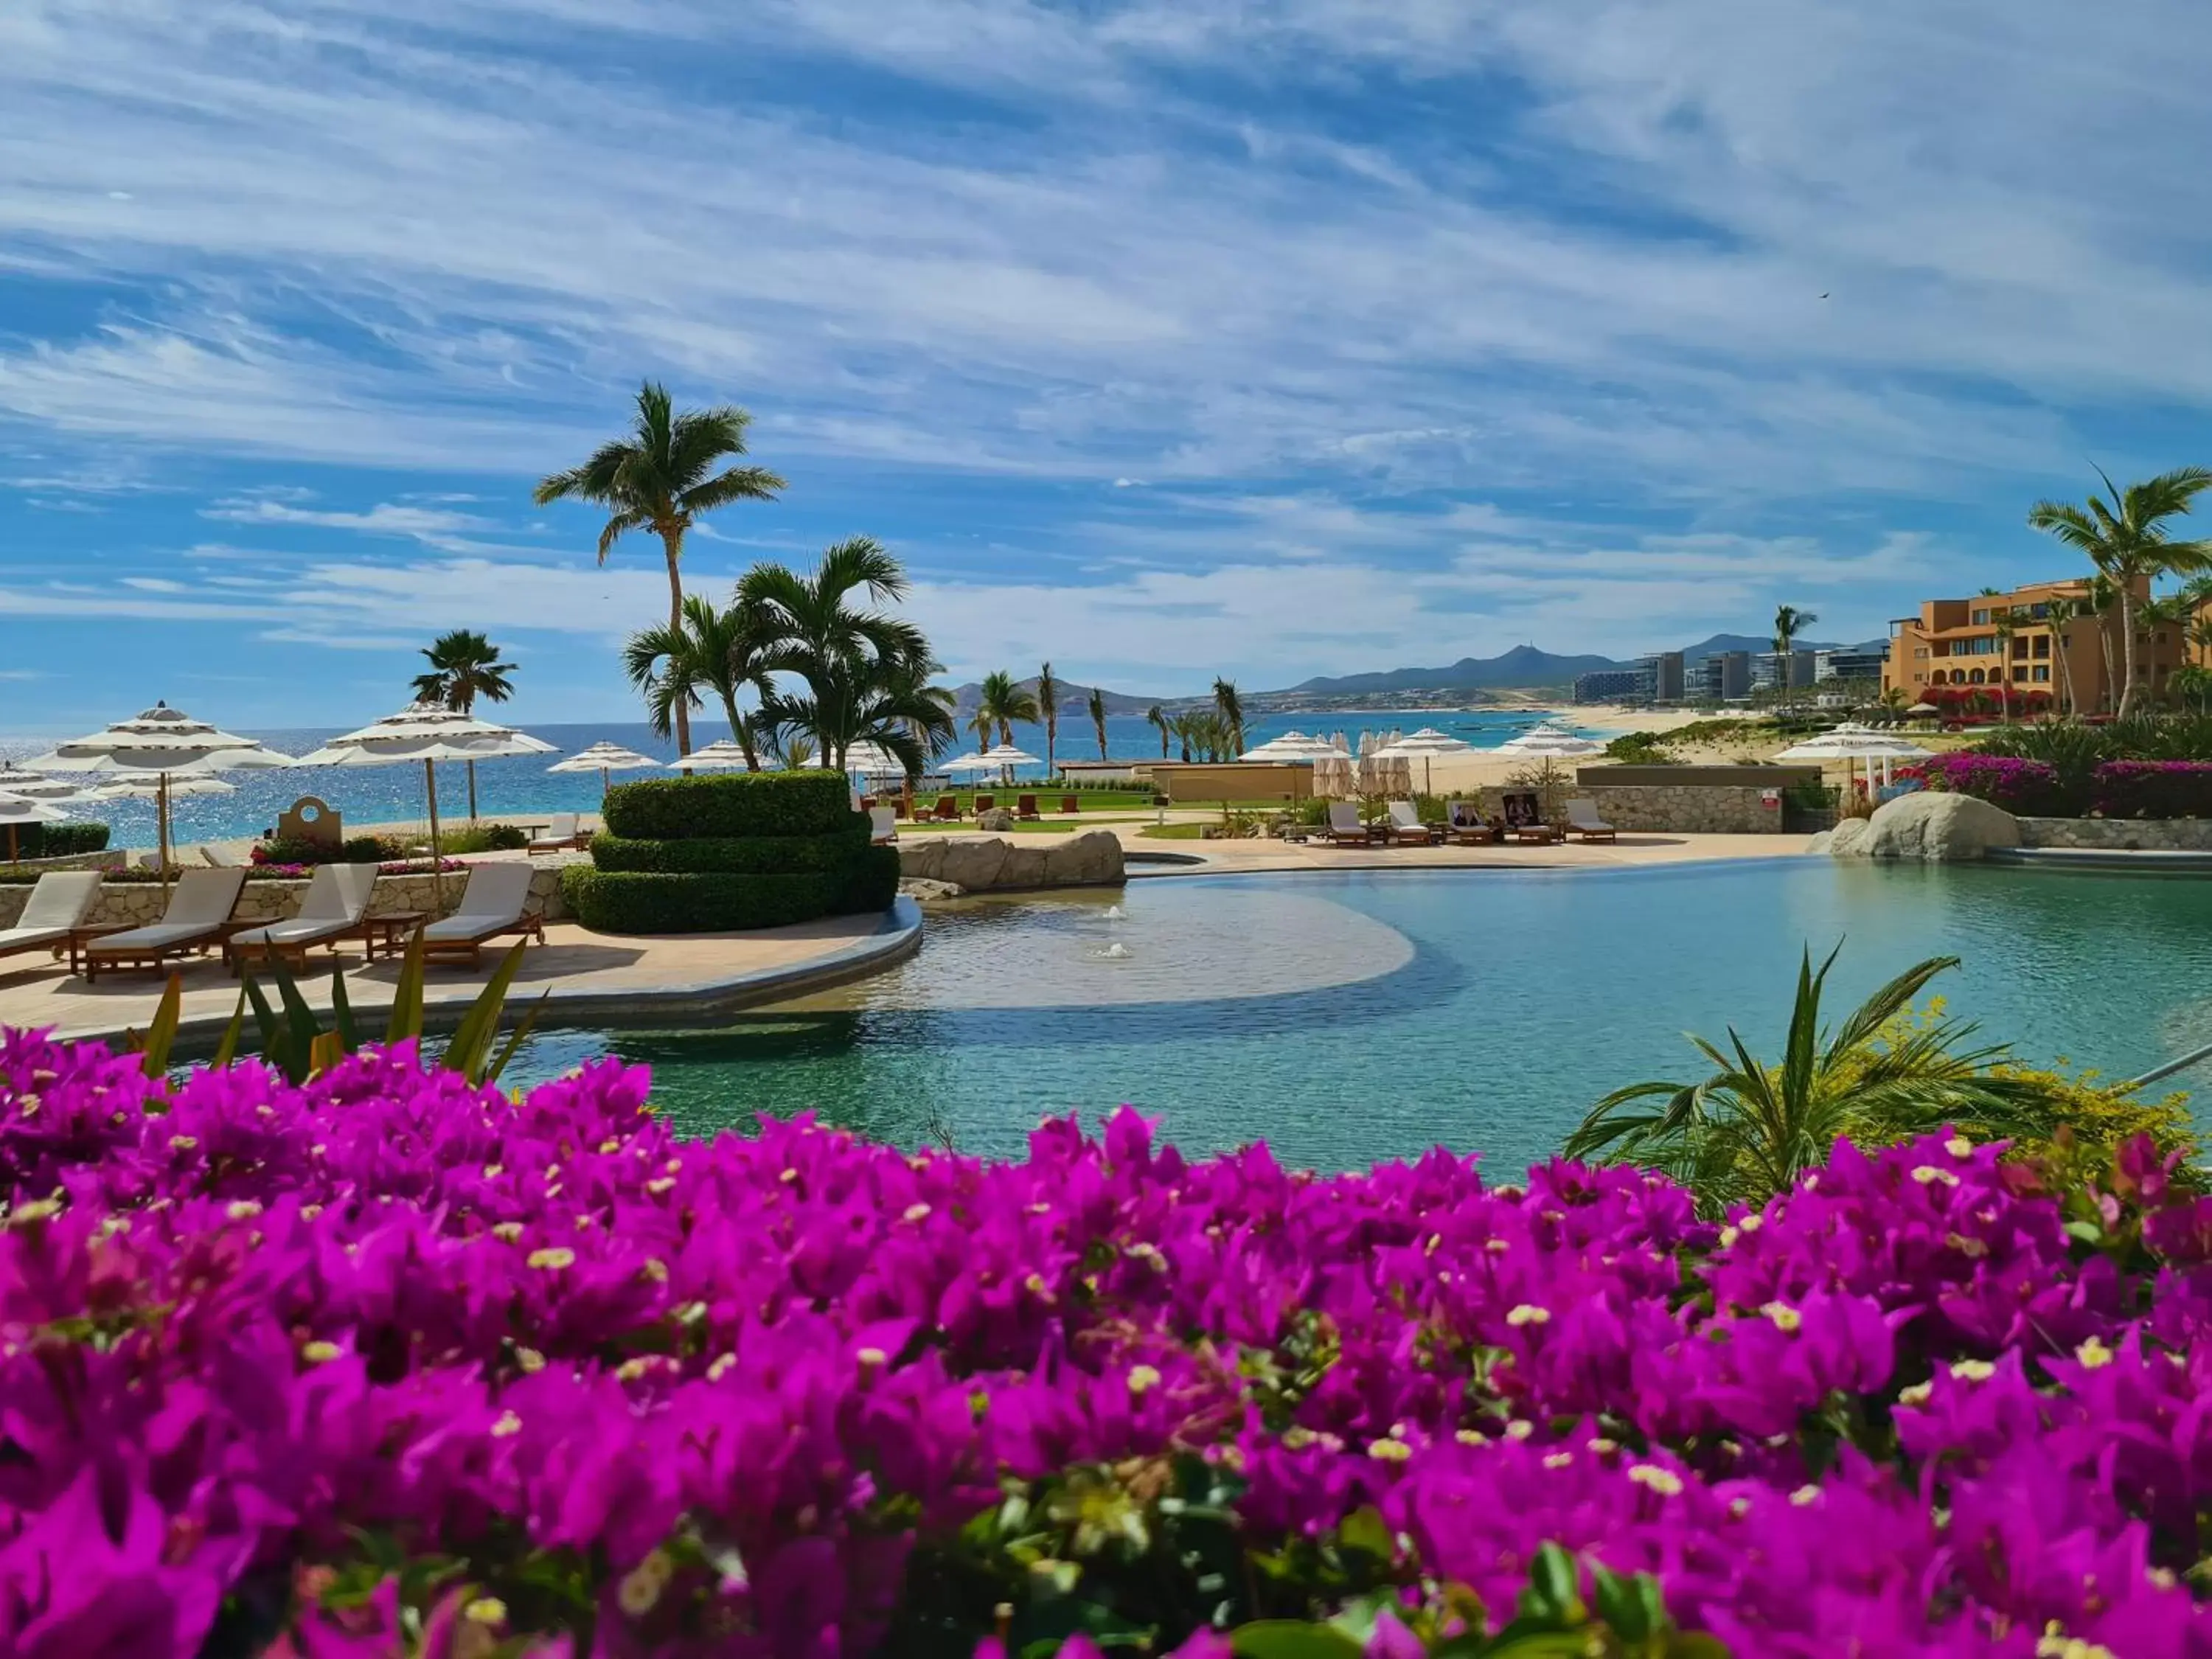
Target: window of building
(2043, 670)
(1976, 678)
(2043, 645)
(2020, 673)
(1980, 618)
(2038, 612)
(2019, 648)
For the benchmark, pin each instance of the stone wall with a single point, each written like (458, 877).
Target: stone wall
(1684, 809)
(2119, 835)
(114, 859)
(981, 864)
(138, 904)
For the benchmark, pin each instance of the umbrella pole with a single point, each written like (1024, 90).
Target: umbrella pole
(162, 830)
(430, 787)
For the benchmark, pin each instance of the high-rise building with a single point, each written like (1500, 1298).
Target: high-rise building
(1720, 677)
(1770, 670)
(1848, 666)
(1612, 685)
(1664, 669)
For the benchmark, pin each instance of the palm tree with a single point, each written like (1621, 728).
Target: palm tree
(724, 652)
(2006, 632)
(844, 655)
(2101, 599)
(1789, 622)
(890, 704)
(1185, 727)
(1159, 720)
(2126, 539)
(1230, 708)
(1006, 702)
(1746, 1133)
(464, 667)
(2191, 686)
(661, 477)
(2161, 612)
(2060, 611)
(1097, 709)
(1048, 691)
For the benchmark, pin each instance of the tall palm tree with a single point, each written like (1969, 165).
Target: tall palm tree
(661, 477)
(843, 653)
(1230, 708)
(1007, 702)
(2061, 611)
(2101, 599)
(1747, 1132)
(1096, 707)
(2162, 611)
(725, 652)
(1789, 622)
(1048, 693)
(1160, 719)
(2006, 632)
(2126, 539)
(464, 665)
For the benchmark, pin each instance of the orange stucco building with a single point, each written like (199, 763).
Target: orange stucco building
(1964, 643)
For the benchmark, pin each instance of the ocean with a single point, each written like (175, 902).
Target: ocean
(387, 794)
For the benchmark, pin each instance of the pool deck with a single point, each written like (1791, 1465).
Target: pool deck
(585, 978)
(1632, 851)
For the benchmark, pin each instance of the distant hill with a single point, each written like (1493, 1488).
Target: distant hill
(1524, 664)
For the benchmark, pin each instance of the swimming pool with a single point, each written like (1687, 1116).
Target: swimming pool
(1351, 1016)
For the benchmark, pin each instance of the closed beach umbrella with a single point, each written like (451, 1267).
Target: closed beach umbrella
(602, 758)
(16, 810)
(160, 744)
(427, 733)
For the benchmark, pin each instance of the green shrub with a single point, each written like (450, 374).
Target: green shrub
(638, 902)
(730, 804)
(57, 840)
(734, 855)
(1640, 749)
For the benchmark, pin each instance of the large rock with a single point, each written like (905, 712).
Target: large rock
(997, 819)
(978, 864)
(1933, 827)
(1846, 841)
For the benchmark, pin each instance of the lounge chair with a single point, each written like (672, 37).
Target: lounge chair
(491, 905)
(985, 802)
(1406, 829)
(198, 915)
(1583, 821)
(217, 857)
(1465, 825)
(1025, 807)
(57, 907)
(1071, 804)
(1524, 820)
(883, 822)
(948, 807)
(335, 901)
(1344, 829)
(561, 835)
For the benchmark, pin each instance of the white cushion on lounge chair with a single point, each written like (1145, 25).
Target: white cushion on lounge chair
(1582, 814)
(494, 899)
(336, 898)
(559, 833)
(883, 823)
(201, 903)
(60, 902)
(1343, 818)
(1403, 817)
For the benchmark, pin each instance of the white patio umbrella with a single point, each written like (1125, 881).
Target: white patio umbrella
(429, 733)
(723, 755)
(1006, 756)
(970, 762)
(602, 758)
(1550, 739)
(30, 785)
(191, 783)
(1291, 746)
(16, 810)
(870, 757)
(1852, 742)
(161, 744)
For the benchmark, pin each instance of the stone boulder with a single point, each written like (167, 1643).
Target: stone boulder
(975, 862)
(1846, 841)
(998, 820)
(923, 891)
(1093, 859)
(979, 864)
(1933, 827)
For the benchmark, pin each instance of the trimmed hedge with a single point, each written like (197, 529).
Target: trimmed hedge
(640, 902)
(730, 804)
(56, 841)
(741, 855)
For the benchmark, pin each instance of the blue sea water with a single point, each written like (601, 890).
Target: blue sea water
(385, 794)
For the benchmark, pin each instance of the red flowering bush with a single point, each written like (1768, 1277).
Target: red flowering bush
(2153, 789)
(2029, 787)
(387, 1365)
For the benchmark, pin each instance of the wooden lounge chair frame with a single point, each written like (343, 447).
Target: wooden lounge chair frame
(52, 936)
(1594, 829)
(1415, 834)
(114, 953)
(1341, 836)
(525, 922)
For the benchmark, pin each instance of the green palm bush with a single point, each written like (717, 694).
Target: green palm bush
(1746, 1132)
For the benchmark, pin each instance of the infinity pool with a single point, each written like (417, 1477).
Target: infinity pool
(1350, 1016)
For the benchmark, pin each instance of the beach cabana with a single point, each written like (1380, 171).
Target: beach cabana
(161, 745)
(427, 733)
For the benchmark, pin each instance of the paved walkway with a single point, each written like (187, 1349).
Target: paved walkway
(1632, 850)
(593, 978)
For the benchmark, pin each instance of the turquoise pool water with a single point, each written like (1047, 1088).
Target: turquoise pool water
(1348, 1017)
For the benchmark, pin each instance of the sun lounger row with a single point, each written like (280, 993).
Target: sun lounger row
(198, 917)
(1465, 824)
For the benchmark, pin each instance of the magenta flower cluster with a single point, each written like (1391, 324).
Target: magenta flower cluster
(389, 1365)
(2027, 786)
(2153, 789)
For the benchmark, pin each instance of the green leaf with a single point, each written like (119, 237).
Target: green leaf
(341, 1013)
(1362, 1530)
(2088, 1232)
(226, 1053)
(471, 1044)
(277, 1047)
(1291, 1639)
(162, 1033)
(522, 1028)
(406, 1019)
(1554, 1590)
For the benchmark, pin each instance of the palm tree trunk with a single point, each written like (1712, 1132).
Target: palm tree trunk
(745, 739)
(2127, 652)
(672, 542)
(2066, 662)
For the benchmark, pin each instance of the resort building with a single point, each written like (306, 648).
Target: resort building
(1864, 667)
(1662, 675)
(1770, 670)
(2009, 639)
(1611, 685)
(1722, 677)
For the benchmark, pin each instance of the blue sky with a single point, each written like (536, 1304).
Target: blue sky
(1168, 337)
